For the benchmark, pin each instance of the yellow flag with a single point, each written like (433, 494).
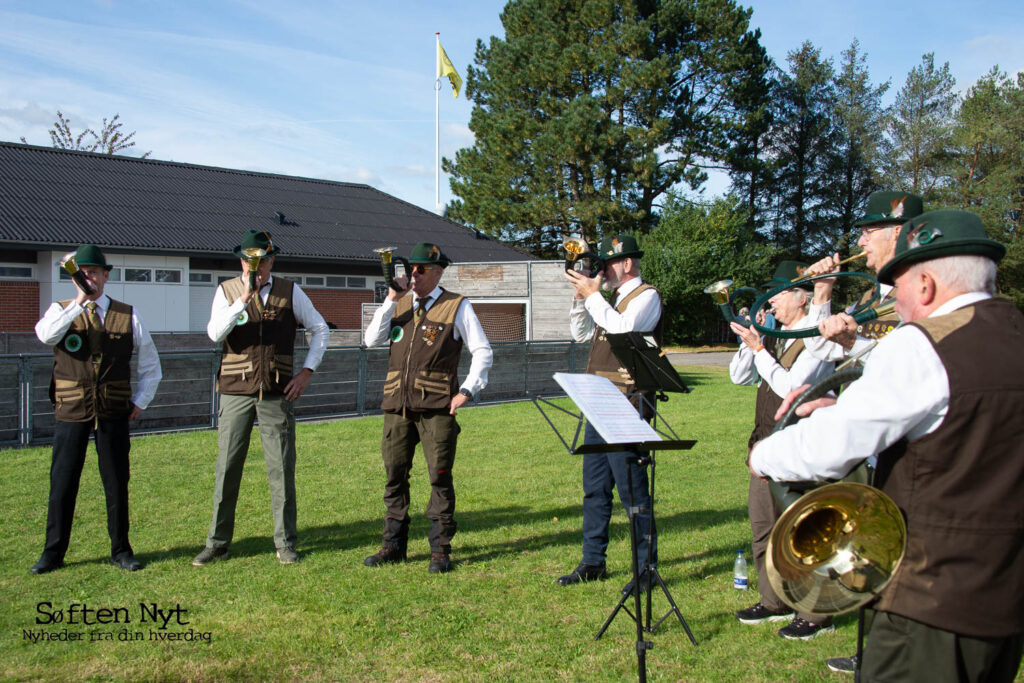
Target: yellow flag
(445, 68)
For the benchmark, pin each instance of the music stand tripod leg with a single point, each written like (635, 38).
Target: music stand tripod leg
(654, 576)
(641, 645)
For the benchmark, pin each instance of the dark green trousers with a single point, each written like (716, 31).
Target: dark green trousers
(277, 433)
(901, 649)
(438, 432)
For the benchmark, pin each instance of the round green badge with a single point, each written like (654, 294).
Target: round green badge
(73, 343)
(243, 317)
(396, 333)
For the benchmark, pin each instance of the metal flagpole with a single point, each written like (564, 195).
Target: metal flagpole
(437, 125)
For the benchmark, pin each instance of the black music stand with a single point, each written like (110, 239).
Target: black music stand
(654, 375)
(654, 368)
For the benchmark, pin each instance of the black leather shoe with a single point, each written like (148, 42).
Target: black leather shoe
(584, 572)
(127, 563)
(386, 555)
(45, 565)
(440, 563)
(628, 588)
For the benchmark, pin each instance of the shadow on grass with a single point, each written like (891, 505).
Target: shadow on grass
(363, 533)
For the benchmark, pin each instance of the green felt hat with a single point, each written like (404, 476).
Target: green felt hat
(947, 232)
(90, 255)
(258, 239)
(785, 273)
(618, 246)
(890, 208)
(426, 253)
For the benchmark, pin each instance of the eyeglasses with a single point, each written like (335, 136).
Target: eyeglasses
(423, 268)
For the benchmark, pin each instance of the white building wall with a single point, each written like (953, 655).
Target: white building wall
(164, 306)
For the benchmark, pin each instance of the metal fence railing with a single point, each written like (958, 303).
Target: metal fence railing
(348, 382)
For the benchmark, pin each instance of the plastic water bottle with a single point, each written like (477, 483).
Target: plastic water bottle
(739, 572)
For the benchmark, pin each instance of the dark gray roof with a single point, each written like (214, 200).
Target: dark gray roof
(63, 198)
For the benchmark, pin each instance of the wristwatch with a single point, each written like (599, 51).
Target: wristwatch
(467, 393)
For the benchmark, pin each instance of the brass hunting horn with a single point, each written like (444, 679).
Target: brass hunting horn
(387, 264)
(838, 545)
(721, 295)
(579, 258)
(253, 255)
(862, 314)
(67, 262)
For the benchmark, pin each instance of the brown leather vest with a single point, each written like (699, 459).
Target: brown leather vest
(768, 401)
(258, 353)
(602, 360)
(961, 487)
(423, 366)
(83, 388)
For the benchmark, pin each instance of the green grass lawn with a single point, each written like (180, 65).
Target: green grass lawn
(498, 616)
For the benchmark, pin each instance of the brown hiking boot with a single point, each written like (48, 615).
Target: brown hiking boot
(386, 555)
(440, 563)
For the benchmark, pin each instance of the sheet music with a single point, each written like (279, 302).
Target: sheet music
(605, 407)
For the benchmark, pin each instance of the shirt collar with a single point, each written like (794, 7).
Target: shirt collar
(627, 287)
(959, 302)
(102, 303)
(434, 294)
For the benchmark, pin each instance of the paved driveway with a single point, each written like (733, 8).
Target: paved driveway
(715, 358)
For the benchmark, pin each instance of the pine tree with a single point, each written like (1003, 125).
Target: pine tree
(860, 119)
(804, 142)
(588, 111)
(921, 129)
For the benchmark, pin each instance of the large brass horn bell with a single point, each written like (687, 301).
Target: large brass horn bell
(723, 298)
(253, 256)
(580, 258)
(387, 264)
(835, 548)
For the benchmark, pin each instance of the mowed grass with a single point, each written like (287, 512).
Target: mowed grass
(498, 616)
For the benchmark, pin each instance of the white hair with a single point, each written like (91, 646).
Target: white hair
(961, 273)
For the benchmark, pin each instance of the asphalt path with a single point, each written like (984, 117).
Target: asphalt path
(714, 358)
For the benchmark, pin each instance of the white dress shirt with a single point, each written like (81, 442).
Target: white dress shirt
(904, 392)
(224, 317)
(747, 367)
(467, 328)
(56, 321)
(819, 347)
(641, 315)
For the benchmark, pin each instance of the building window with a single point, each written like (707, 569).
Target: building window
(357, 283)
(201, 277)
(138, 275)
(16, 271)
(115, 275)
(168, 276)
(314, 281)
(222, 278)
(336, 282)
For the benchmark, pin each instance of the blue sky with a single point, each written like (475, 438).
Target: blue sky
(344, 90)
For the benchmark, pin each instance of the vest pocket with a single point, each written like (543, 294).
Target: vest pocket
(118, 393)
(236, 364)
(621, 380)
(433, 386)
(392, 382)
(68, 394)
(282, 364)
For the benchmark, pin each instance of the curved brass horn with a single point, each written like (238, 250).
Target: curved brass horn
(835, 548)
(723, 298)
(578, 257)
(68, 263)
(387, 265)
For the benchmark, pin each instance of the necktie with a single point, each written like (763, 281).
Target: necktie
(421, 308)
(95, 333)
(258, 300)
